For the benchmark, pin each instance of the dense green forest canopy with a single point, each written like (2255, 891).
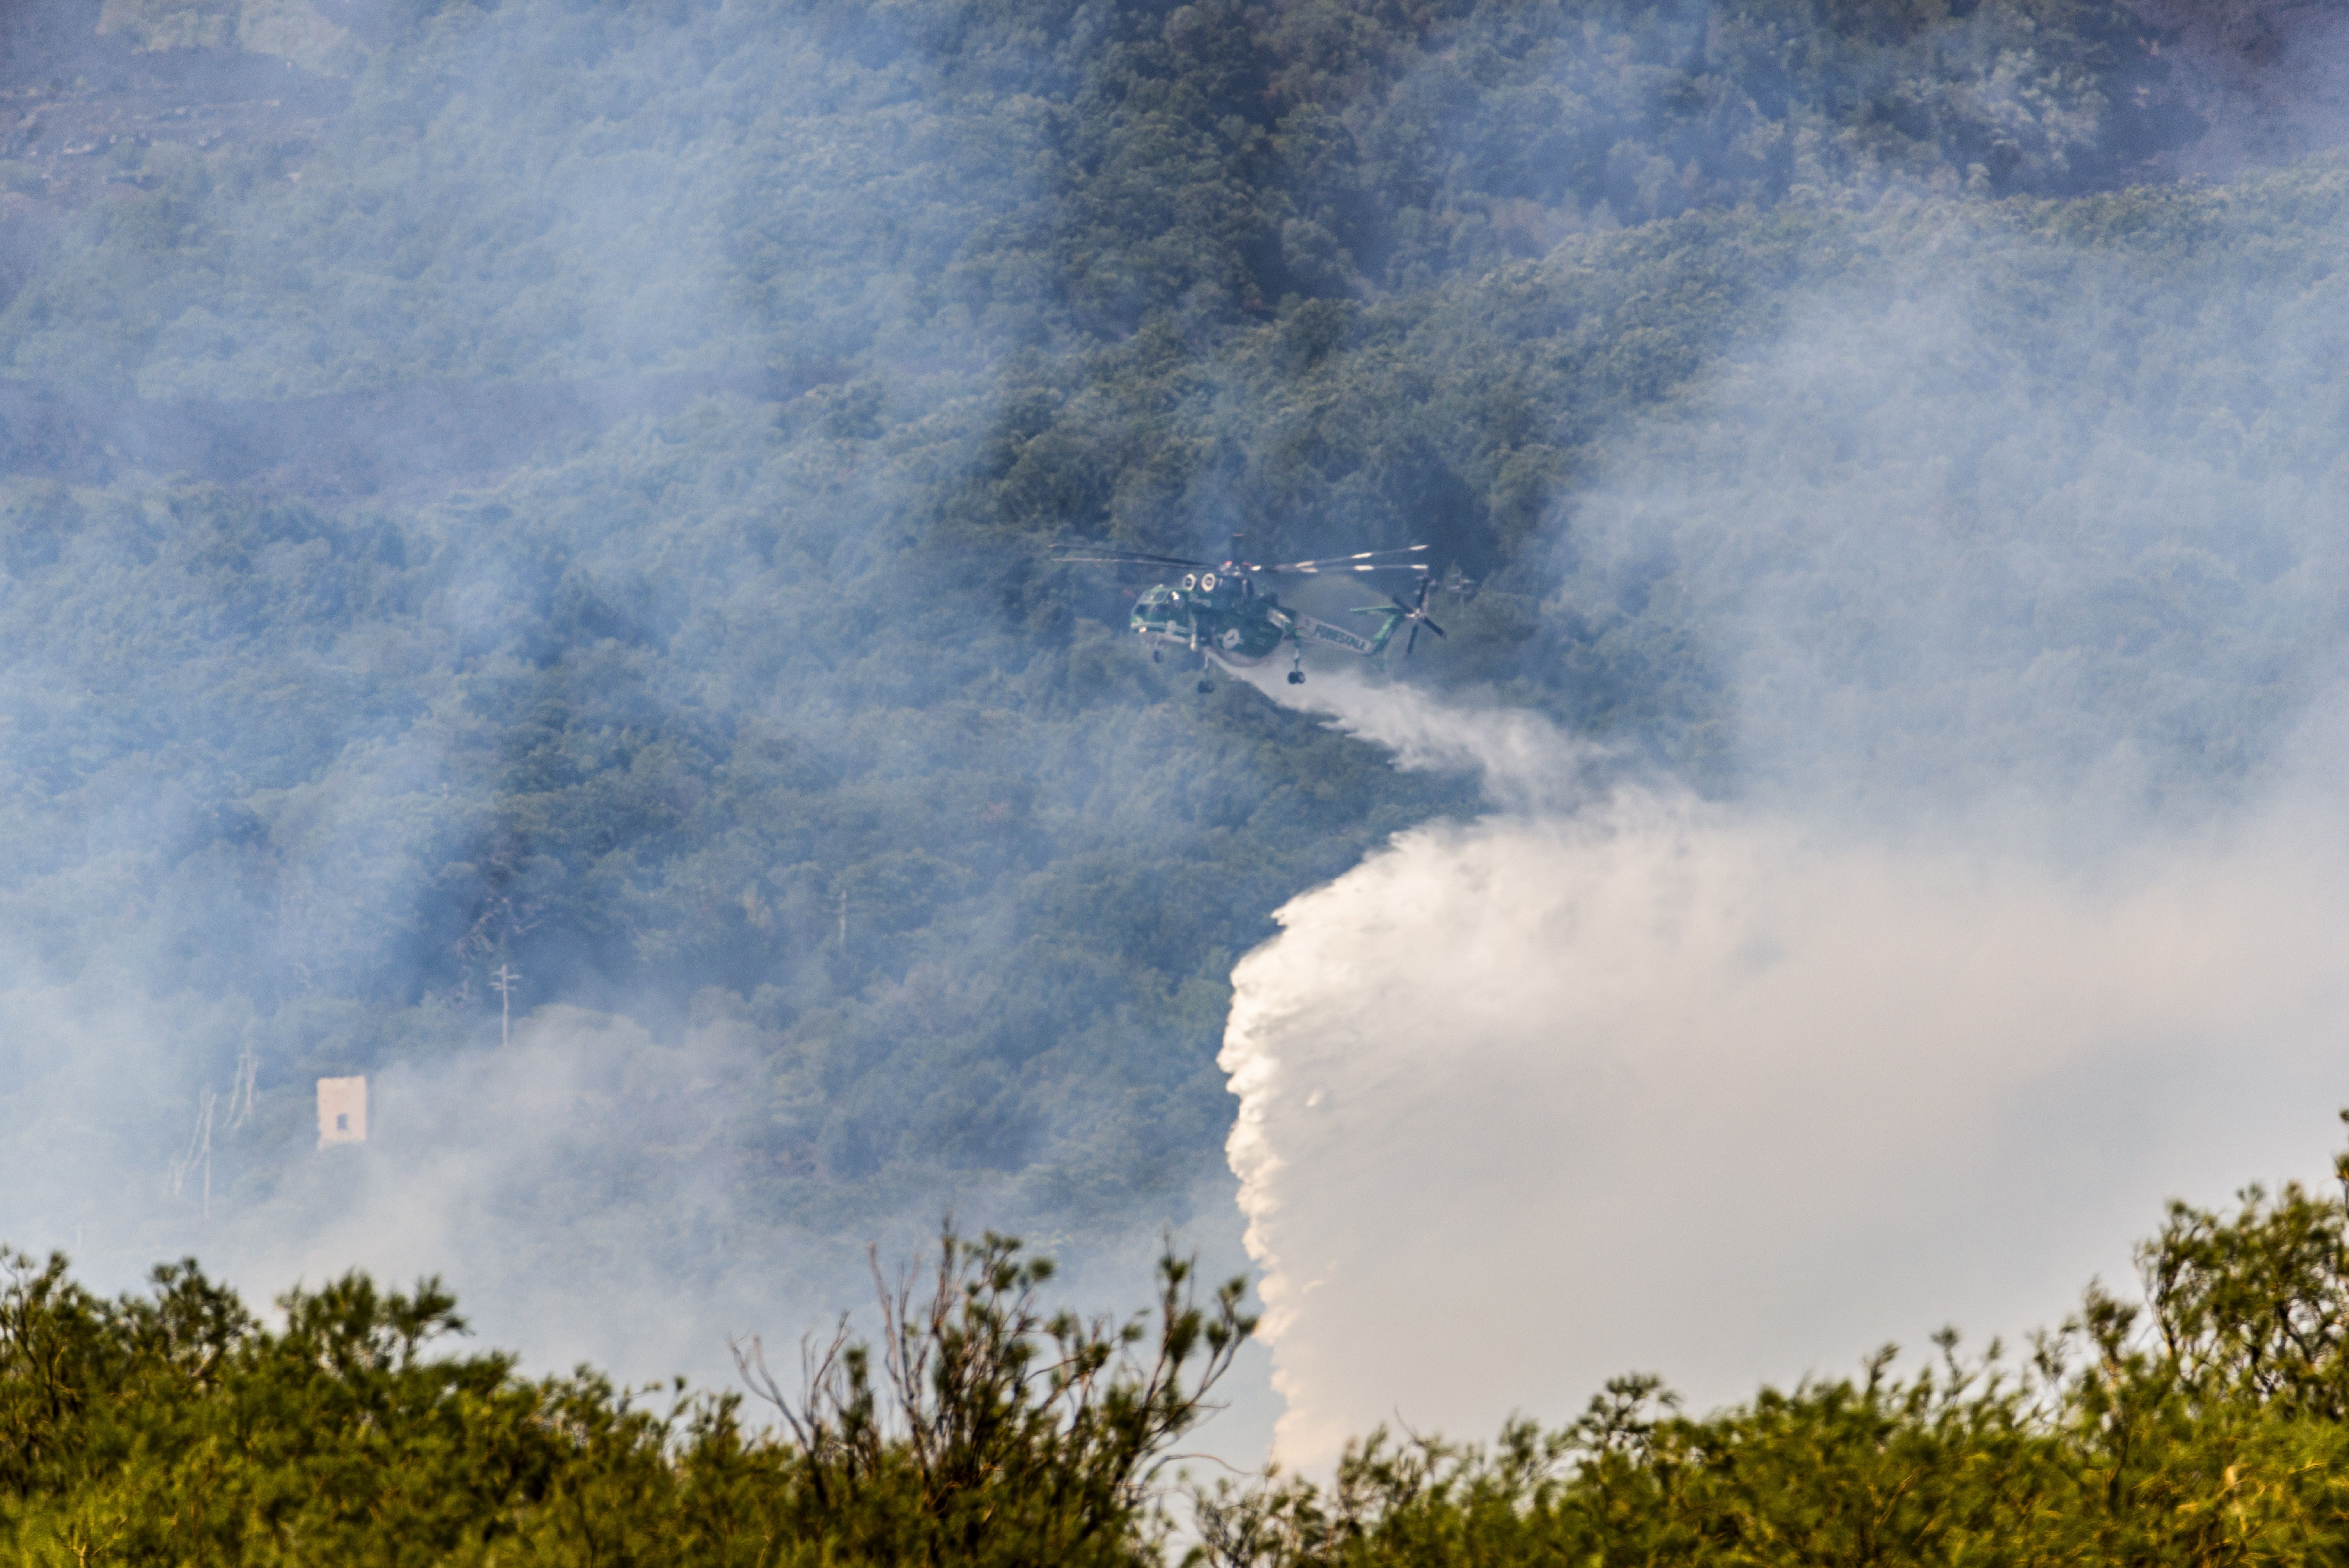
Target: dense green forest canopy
(570, 486)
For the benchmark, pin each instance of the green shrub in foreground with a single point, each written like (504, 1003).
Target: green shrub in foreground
(174, 1429)
(2205, 1424)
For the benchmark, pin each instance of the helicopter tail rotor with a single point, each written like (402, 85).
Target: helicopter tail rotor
(1415, 612)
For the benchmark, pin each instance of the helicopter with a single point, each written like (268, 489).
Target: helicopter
(1216, 611)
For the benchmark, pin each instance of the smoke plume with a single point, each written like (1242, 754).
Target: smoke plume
(2002, 899)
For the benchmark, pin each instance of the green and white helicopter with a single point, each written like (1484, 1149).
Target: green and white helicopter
(1216, 610)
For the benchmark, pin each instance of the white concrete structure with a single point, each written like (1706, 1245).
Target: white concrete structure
(342, 1110)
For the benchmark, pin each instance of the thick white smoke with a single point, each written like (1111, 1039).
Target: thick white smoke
(1661, 1086)
(512, 202)
(2012, 907)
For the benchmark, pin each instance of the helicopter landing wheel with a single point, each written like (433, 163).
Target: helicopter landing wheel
(1155, 656)
(1296, 677)
(1207, 685)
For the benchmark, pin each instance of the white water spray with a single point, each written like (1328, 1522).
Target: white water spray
(1535, 1101)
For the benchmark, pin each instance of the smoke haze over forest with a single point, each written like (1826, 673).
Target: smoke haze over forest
(573, 488)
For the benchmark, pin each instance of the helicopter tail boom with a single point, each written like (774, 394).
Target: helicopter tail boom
(1321, 633)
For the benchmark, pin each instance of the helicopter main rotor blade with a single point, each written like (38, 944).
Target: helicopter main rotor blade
(1129, 558)
(1338, 562)
(1411, 642)
(1304, 568)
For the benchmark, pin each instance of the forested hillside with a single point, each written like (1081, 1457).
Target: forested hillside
(564, 496)
(571, 487)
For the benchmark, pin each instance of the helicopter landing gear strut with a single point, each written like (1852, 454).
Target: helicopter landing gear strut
(1297, 668)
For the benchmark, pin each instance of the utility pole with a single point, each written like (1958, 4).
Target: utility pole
(504, 981)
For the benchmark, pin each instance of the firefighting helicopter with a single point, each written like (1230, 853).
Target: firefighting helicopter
(1216, 611)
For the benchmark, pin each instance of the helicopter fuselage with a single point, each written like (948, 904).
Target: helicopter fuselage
(1222, 617)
